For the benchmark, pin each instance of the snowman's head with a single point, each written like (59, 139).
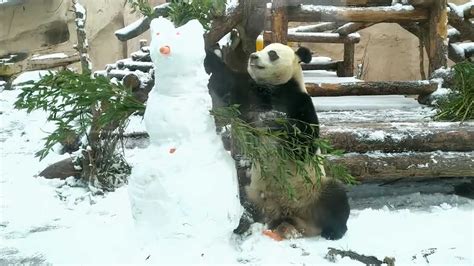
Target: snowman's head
(176, 49)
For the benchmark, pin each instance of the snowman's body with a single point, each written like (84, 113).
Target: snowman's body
(188, 185)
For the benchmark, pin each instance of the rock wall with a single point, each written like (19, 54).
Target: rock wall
(389, 52)
(47, 26)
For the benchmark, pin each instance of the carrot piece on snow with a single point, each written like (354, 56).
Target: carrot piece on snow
(272, 235)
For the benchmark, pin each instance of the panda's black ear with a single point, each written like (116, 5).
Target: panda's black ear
(304, 54)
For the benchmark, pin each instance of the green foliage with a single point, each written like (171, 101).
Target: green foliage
(71, 98)
(458, 106)
(286, 147)
(80, 105)
(182, 11)
(143, 6)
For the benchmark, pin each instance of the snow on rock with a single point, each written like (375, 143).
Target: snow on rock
(185, 188)
(29, 76)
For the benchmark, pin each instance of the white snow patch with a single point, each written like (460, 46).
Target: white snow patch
(30, 76)
(330, 9)
(49, 56)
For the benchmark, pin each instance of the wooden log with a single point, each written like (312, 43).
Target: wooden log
(131, 81)
(392, 166)
(352, 27)
(342, 2)
(222, 25)
(456, 53)
(47, 63)
(311, 13)
(468, 10)
(323, 37)
(330, 65)
(279, 21)
(140, 26)
(320, 27)
(348, 64)
(82, 45)
(422, 3)
(401, 137)
(437, 36)
(372, 88)
(465, 27)
(134, 65)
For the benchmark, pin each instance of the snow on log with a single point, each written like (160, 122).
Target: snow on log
(320, 27)
(352, 27)
(456, 53)
(342, 2)
(45, 62)
(140, 26)
(323, 37)
(222, 25)
(62, 170)
(401, 136)
(134, 65)
(390, 166)
(312, 13)
(372, 88)
(456, 19)
(82, 44)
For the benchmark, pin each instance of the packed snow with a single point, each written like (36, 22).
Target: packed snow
(29, 76)
(169, 204)
(49, 56)
(61, 221)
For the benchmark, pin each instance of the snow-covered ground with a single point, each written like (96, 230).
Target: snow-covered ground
(51, 221)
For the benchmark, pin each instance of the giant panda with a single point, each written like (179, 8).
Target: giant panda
(274, 83)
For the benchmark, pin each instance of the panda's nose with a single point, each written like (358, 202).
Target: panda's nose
(253, 56)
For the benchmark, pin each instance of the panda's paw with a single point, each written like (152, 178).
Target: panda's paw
(288, 231)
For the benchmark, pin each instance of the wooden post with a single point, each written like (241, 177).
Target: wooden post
(437, 35)
(279, 21)
(348, 65)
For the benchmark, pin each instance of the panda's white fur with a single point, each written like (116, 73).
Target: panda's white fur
(264, 70)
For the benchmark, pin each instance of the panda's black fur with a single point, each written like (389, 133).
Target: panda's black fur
(324, 210)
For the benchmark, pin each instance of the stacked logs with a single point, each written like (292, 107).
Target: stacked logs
(135, 73)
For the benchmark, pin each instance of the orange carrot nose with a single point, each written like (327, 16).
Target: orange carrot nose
(166, 50)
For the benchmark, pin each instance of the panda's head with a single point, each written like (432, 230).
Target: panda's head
(277, 64)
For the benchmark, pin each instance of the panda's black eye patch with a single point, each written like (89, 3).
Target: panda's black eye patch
(273, 55)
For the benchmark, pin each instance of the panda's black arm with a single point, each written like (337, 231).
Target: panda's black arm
(300, 108)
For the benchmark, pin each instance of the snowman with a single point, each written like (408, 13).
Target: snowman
(187, 185)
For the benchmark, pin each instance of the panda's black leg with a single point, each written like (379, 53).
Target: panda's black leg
(332, 210)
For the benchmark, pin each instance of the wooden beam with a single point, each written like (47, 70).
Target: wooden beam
(140, 26)
(320, 27)
(392, 166)
(331, 65)
(352, 27)
(312, 13)
(348, 65)
(323, 37)
(372, 88)
(423, 3)
(223, 25)
(279, 20)
(342, 2)
(401, 137)
(456, 53)
(437, 36)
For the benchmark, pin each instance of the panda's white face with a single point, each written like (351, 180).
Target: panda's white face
(276, 64)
